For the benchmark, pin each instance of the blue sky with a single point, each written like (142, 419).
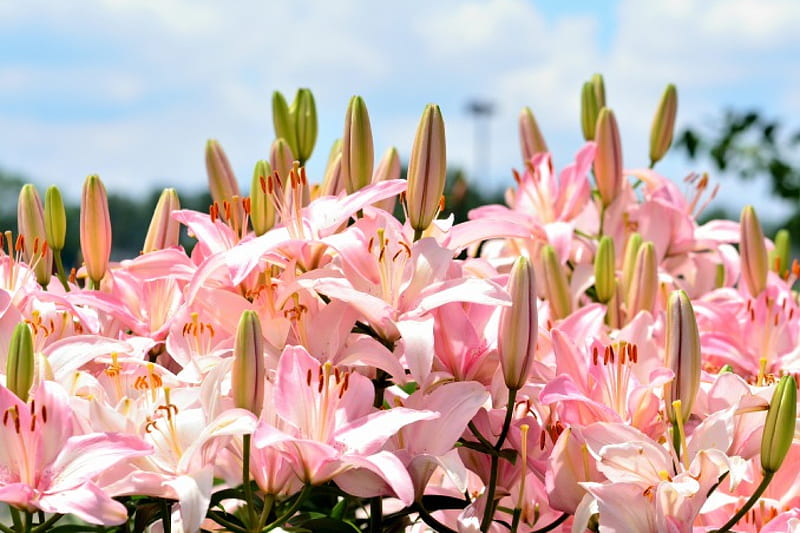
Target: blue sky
(132, 89)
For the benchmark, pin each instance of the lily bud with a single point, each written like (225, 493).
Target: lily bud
(608, 161)
(589, 111)
(629, 259)
(427, 169)
(247, 375)
(357, 150)
(282, 121)
(281, 158)
(681, 355)
(388, 169)
(55, 219)
(304, 112)
(643, 287)
(531, 140)
(599, 90)
(164, 231)
(333, 182)
(605, 275)
(20, 362)
(262, 208)
(663, 124)
(556, 284)
(752, 251)
(31, 225)
(779, 256)
(780, 425)
(95, 228)
(519, 326)
(222, 183)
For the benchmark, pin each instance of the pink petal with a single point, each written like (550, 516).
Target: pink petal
(87, 502)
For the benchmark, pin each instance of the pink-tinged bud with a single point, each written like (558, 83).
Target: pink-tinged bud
(248, 373)
(681, 355)
(531, 140)
(589, 111)
(388, 169)
(556, 284)
(753, 251)
(262, 206)
(663, 124)
(608, 161)
(519, 326)
(164, 231)
(95, 228)
(427, 169)
(605, 270)
(358, 153)
(779, 428)
(55, 219)
(31, 225)
(333, 181)
(281, 158)
(20, 362)
(643, 286)
(222, 183)
(629, 259)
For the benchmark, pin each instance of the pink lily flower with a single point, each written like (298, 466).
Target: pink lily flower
(45, 465)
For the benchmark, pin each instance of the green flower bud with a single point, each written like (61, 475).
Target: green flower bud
(779, 427)
(164, 231)
(519, 326)
(681, 355)
(589, 111)
(643, 288)
(753, 251)
(779, 256)
(95, 228)
(663, 124)
(304, 112)
(556, 284)
(357, 149)
(629, 259)
(605, 274)
(20, 362)
(599, 90)
(531, 140)
(55, 219)
(31, 225)
(248, 373)
(262, 208)
(282, 121)
(427, 170)
(608, 160)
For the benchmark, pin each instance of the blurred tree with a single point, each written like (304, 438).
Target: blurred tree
(749, 145)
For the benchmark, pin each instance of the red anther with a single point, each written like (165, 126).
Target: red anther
(226, 206)
(17, 425)
(635, 354)
(346, 383)
(210, 329)
(20, 243)
(336, 375)
(406, 247)
(308, 377)
(320, 384)
(246, 205)
(370, 243)
(752, 315)
(303, 178)
(441, 203)
(542, 436)
(777, 316)
(606, 355)
(35, 245)
(594, 355)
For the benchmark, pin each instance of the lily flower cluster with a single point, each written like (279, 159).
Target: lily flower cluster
(586, 357)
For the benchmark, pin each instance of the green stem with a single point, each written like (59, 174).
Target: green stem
(602, 218)
(479, 435)
(166, 516)
(16, 519)
(4, 529)
(376, 514)
(45, 525)
(248, 490)
(417, 234)
(552, 525)
(291, 510)
(60, 274)
(269, 499)
(750, 503)
(430, 520)
(488, 514)
(515, 520)
(219, 519)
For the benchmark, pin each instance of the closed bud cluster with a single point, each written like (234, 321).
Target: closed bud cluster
(427, 169)
(519, 326)
(531, 140)
(95, 228)
(247, 375)
(753, 252)
(682, 355)
(164, 231)
(358, 153)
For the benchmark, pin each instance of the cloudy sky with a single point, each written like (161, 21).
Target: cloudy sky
(132, 89)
